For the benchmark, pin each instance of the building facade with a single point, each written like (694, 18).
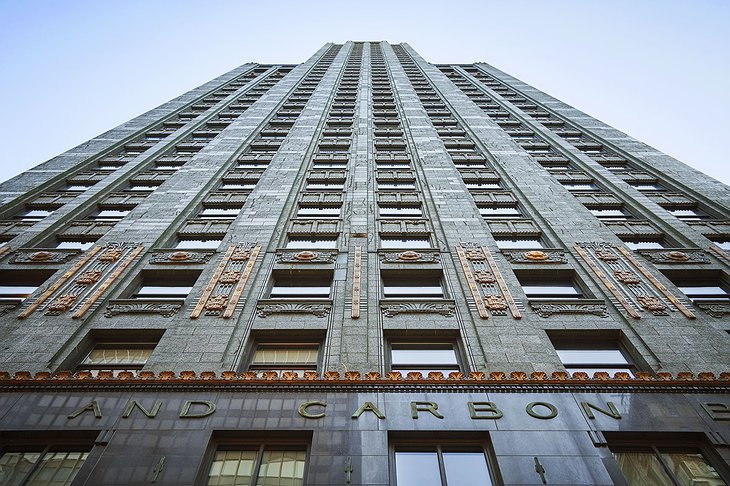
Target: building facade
(364, 269)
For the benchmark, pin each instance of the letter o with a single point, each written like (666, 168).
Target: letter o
(530, 409)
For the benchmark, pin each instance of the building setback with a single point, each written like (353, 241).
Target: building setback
(364, 269)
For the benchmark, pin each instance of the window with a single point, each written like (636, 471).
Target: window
(483, 185)
(642, 186)
(441, 465)
(42, 465)
(724, 244)
(321, 186)
(198, 244)
(167, 286)
(400, 212)
(109, 214)
(499, 213)
(311, 243)
(265, 465)
(75, 245)
(701, 286)
(301, 286)
(526, 243)
(318, 212)
(412, 285)
(285, 356)
(410, 242)
(549, 285)
(688, 214)
(592, 352)
(661, 459)
(611, 214)
(16, 286)
(219, 213)
(32, 215)
(580, 186)
(117, 356)
(644, 244)
(396, 186)
(424, 357)
(239, 186)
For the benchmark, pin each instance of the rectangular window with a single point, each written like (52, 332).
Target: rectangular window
(32, 215)
(580, 186)
(424, 357)
(396, 186)
(659, 459)
(117, 356)
(16, 286)
(526, 243)
(688, 214)
(311, 243)
(198, 244)
(168, 286)
(265, 465)
(400, 212)
(610, 214)
(318, 212)
(644, 244)
(412, 242)
(55, 465)
(412, 285)
(701, 286)
(482, 185)
(499, 213)
(238, 186)
(109, 215)
(301, 286)
(321, 186)
(592, 356)
(547, 285)
(284, 356)
(75, 245)
(219, 213)
(450, 465)
(724, 244)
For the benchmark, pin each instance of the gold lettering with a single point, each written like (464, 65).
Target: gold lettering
(475, 408)
(304, 406)
(189, 403)
(530, 409)
(431, 407)
(611, 412)
(134, 403)
(93, 406)
(370, 407)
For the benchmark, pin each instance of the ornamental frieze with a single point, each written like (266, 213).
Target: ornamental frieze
(164, 308)
(392, 309)
(409, 256)
(266, 308)
(715, 309)
(306, 256)
(535, 256)
(583, 306)
(675, 256)
(42, 256)
(160, 257)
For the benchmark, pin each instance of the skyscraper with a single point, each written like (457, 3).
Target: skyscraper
(364, 269)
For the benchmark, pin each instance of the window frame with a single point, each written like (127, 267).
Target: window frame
(281, 344)
(572, 339)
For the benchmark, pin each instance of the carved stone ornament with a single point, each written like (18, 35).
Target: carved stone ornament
(475, 255)
(42, 256)
(547, 309)
(163, 308)
(484, 277)
(652, 304)
(89, 277)
(230, 277)
(627, 277)
(306, 257)
(216, 303)
(606, 255)
(240, 255)
(191, 257)
(446, 309)
(409, 256)
(317, 309)
(111, 255)
(535, 256)
(495, 302)
(715, 309)
(675, 256)
(6, 308)
(61, 304)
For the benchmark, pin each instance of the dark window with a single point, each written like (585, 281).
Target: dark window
(258, 465)
(438, 465)
(701, 286)
(424, 356)
(549, 285)
(48, 463)
(404, 285)
(285, 356)
(523, 243)
(166, 286)
(301, 286)
(405, 242)
(306, 243)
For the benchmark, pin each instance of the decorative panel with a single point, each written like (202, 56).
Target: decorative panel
(409, 256)
(314, 227)
(403, 226)
(719, 228)
(85, 229)
(11, 229)
(268, 307)
(634, 228)
(306, 256)
(679, 255)
(321, 199)
(545, 255)
(204, 227)
(225, 288)
(50, 256)
(494, 198)
(82, 285)
(513, 227)
(486, 283)
(633, 287)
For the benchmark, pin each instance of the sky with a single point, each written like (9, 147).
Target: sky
(657, 70)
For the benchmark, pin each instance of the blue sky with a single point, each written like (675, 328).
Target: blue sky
(657, 70)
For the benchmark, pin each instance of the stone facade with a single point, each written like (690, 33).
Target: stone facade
(448, 208)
